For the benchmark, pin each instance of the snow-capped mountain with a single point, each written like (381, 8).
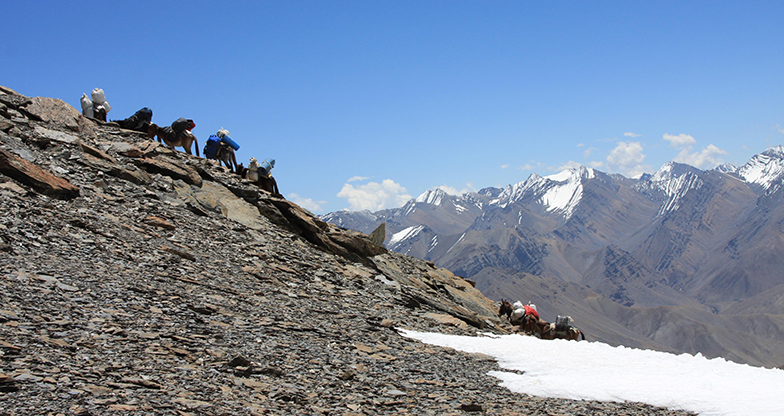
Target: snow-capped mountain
(707, 241)
(354, 220)
(765, 169)
(455, 205)
(726, 168)
(670, 183)
(559, 193)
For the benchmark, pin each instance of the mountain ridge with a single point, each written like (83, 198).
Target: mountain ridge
(707, 241)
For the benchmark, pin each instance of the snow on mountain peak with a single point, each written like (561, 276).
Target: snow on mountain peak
(432, 197)
(567, 194)
(765, 169)
(560, 192)
(777, 151)
(573, 174)
(726, 168)
(673, 180)
(405, 234)
(670, 171)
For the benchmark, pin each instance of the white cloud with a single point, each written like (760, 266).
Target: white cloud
(374, 196)
(705, 159)
(529, 166)
(626, 154)
(779, 128)
(597, 164)
(454, 191)
(357, 178)
(580, 145)
(568, 165)
(632, 135)
(307, 203)
(589, 151)
(504, 166)
(679, 141)
(627, 158)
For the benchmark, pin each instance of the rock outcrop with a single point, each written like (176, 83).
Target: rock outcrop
(139, 280)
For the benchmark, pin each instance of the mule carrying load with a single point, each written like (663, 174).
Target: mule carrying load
(562, 323)
(266, 181)
(178, 134)
(214, 143)
(261, 175)
(139, 121)
(221, 147)
(524, 316)
(96, 105)
(563, 329)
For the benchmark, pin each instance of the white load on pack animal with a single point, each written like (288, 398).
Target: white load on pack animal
(518, 312)
(98, 96)
(253, 170)
(87, 106)
(96, 105)
(100, 105)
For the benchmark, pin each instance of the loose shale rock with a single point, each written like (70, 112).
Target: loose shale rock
(139, 281)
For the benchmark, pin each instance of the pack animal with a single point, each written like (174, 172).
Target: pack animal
(505, 309)
(530, 323)
(524, 316)
(172, 139)
(215, 149)
(139, 121)
(561, 329)
(226, 155)
(268, 183)
(261, 175)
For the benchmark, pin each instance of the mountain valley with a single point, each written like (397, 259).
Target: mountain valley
(681, 260)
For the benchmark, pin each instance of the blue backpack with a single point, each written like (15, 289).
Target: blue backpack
(212, 146)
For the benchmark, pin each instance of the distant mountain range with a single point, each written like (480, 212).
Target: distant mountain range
(683, 260)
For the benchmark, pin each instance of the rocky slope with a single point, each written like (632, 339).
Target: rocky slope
(140, 280)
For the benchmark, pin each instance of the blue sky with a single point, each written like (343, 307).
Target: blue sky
(367, 104)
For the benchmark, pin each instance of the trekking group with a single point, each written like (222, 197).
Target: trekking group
(219, 146)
